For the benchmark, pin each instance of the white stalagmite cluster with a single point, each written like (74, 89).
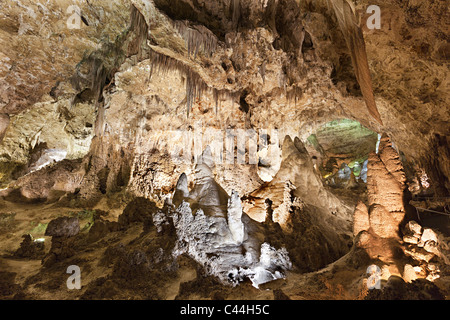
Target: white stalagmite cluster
(212, 229)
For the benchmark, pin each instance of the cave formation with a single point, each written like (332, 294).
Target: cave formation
(225, 149)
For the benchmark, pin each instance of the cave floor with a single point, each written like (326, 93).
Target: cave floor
(26, 278)
(31, 281)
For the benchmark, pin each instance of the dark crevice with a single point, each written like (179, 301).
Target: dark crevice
(243, 105)
(181, 10)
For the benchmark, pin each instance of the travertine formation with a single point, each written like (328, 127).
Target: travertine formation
(385, 187)
(212, 229)
(377, 225)
(381, 225)
(186, 123)
(298, 175)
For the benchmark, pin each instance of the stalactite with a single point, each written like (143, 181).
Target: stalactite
(216, 100)
(195, 86)
(103, 63)
(236, 13)
(294, 94)
(224, 94)
(355, 42)
(140, 28)
(198, 38)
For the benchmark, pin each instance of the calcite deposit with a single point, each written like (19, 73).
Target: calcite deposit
(224, 149)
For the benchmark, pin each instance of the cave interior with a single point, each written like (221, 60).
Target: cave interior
(224, 150)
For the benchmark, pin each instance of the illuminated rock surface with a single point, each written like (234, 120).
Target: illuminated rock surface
(208, 147)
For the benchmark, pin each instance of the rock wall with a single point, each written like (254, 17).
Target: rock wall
(285, 66)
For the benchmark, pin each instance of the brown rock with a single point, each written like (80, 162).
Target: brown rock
(411, 239)
(409, 274)
(138, 210)
(382, 222)
(4, 123)
(412, 229)
(63, 227)
(418, 254)
(30, 248)
(385, 185)
(391, 160)
(360, 218)
(383, 188)
(429, 235)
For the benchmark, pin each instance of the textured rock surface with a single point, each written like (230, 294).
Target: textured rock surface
(40, 51)
(30, 248)
(62, 230)
(385, 184)
(360, 219)
(220, 236)
(127, 98)
(59, 125)
(297, 170)
(63, 227)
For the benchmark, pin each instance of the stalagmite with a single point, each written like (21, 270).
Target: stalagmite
(234, 215)
(181, 190)
(360, 219)
(222, 232)
(385, 184)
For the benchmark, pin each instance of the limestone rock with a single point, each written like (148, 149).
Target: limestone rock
(4, 123)
(234, 215)
(33, 24)
(108, 95)
(418, 253)
(49, 183)
(409, 274)
(397, 289)
(29, 248)
(296, 167)
(207, 193)
(138, 210)
(411, 239)
(382, 222)
(206, 228)
(181, 190)
(413, 229)
(431, 246)
(63, 231)
(202, 236)
(360, 219)
(429, 235)
(391, 159)
(63, 227)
